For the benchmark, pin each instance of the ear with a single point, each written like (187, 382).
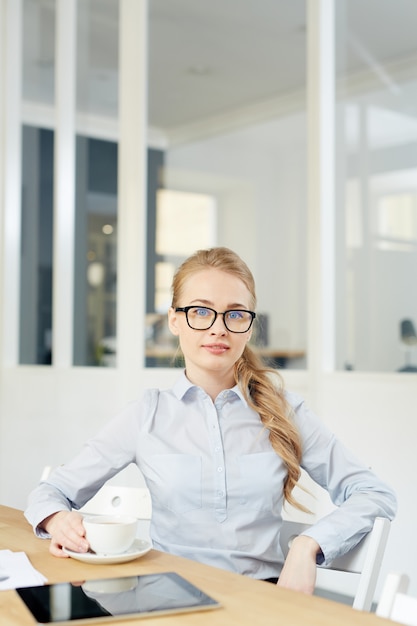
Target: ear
(172, 321)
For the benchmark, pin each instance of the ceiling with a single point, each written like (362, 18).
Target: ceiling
(208, 59)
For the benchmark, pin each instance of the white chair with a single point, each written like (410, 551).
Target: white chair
(363, 563)
(115, 500)
(118, 500)
(394, 603)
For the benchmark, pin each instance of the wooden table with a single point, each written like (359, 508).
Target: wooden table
(244, 601)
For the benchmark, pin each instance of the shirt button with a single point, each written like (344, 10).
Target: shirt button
(217, 449)
(219, 469)
(220, 493)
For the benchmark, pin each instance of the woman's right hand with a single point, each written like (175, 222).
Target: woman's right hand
(67, 531)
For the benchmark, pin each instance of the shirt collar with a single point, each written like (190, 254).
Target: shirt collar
(183, 386)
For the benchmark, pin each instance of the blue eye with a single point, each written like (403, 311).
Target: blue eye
(202, 312)
(235, 315)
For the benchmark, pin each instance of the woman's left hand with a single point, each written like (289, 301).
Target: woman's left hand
(299, 571)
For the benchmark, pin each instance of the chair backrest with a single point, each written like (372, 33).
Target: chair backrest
(45, 472)
(115, 500)
(394, 602)
(362, 563)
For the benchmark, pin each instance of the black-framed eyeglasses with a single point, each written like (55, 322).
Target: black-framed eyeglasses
(203, 318)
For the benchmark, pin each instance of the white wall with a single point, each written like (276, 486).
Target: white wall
(46, 414)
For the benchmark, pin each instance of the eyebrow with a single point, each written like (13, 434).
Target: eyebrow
(209, 303)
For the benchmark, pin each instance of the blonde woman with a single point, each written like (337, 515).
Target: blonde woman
(222, 450)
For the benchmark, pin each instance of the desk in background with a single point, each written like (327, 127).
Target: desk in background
(245, 602)
(165, 356)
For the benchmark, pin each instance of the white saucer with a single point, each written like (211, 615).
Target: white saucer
(139, 548)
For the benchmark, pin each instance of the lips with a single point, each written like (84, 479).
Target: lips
(216, 348)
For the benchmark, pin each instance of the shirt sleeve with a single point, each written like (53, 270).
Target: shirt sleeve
(359, 495)
(71, 485)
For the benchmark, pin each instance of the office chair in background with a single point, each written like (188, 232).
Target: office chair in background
(409, 339)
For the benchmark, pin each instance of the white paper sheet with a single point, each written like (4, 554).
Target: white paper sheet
(17, 571)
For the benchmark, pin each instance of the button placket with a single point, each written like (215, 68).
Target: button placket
(219, 464)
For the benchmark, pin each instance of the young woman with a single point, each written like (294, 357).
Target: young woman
(222, 450)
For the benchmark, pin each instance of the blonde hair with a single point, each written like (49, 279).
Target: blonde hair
(252, 376)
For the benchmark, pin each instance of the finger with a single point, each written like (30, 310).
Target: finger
(56, 550)
(71, 538)
(73, 542)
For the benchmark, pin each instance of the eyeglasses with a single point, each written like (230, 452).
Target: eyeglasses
(203, 318)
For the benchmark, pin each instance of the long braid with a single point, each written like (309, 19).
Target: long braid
(268, 401)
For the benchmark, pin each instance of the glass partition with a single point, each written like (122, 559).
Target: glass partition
(95, 271)
(38, 58)
(376, 186)
(95, 276)
(228, 106)
(96, 253)
(36, 247)
(227, 136)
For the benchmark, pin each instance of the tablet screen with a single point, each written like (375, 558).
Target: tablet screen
(129, 596)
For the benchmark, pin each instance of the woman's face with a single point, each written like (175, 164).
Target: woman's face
(215, 350)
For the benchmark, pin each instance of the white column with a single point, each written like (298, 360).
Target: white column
(64, 184)
(2, 161)
(132, 192)
(321, 186)
(10, 176)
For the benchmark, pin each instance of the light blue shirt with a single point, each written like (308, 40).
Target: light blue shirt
(215, 481)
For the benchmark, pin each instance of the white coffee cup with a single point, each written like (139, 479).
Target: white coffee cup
(110, 534)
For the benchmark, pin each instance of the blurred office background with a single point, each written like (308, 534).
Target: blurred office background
(134, 132)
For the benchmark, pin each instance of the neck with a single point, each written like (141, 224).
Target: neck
(212, 382)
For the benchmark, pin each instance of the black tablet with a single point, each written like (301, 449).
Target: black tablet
(114, 598)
